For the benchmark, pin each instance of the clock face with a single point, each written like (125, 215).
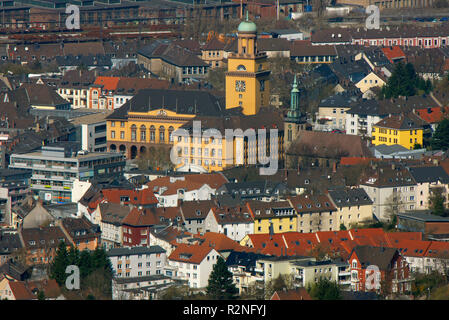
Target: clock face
(240, 86)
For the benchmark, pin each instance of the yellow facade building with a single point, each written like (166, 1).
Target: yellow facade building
(247, 78)
(279, 216)
(406, 130)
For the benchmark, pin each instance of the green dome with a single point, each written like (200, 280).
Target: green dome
(247, 26)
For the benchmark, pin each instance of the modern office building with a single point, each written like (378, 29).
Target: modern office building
(56, 166)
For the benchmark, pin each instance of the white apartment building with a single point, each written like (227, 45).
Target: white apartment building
(129, 262)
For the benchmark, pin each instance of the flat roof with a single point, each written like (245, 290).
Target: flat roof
(91, 118)
(423, 216)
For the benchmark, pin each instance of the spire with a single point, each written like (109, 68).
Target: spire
(294, 113)
(247, 16)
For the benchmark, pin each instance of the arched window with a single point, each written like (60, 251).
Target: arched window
(161, 134)
(133, 132)
(152, 134)
(170, 133)
(143, 133)
(241, 68)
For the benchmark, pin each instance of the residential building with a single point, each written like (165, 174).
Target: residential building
(429, 179)
(9, 245)
(40, 244)
(291, 294)
(315, 213)
(393, 270)
(272, 217)
(392, 189)
(136, 227)
(406, 130)
(353, 206)
(194, 214)
(137, 261)
(190, 187)
(112, 92)
(193, 263)
(234, 222)
(332, 112)
(109, 216)
(140, 288)
(82, 233)
(56, 166)
(422, 221)
(304, 52)
(15, 290)
(74, 87)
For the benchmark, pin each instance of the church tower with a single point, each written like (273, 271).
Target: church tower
(247, 82)
(294, 121)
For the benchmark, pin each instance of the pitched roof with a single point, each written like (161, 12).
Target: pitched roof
(140, 217)
(192, 102)
(20, 291)
(188, 182)
(292, 294)
(379, 256)
(402, 122)
(429, 174)
(49, 286)
(198, 209)
(219, 241)
(305, 49)
(43, 237)
(393, 53)
(81, 229)
(433, 114)
(350, 197)
(329, 145)
(312, 203)
(232, 215)
(190, 253)
(214, 44)
(136, 197)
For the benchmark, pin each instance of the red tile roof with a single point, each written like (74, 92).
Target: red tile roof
(219, 241)
(433, 115)
(190, 253)
(393, 53)
(108, 83)
(352, 161)
(140, 217)
(292, 294)
(20, 291)
(136, 197)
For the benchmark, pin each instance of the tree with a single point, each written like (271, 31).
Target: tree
(60, 263)
(394, 205)
(424, 284)
(440, 139)
(404, 82)
(342, 227)
(41, 295)
(436, 201)
(216, 77)
(325, 289)
(220, 285)
(283, 281)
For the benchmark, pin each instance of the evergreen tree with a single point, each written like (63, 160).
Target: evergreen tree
(342, 227)
(73, 256)
(60, 263)
(220, 285)
(86, 264)
(440, 139)
(325, 290)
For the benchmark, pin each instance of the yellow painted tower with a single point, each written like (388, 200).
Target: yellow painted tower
(247, 78)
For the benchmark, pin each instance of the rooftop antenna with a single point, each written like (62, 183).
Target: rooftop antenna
(176, 105)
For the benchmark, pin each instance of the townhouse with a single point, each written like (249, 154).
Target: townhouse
(112, 92)
(82, 233)
(136, 227)
(234, 222)
(353, 206)
(109, 216)
(429, 179)
(194, 214)
(137, 261)
(273, 217)
(315, 213)
(193, 263)
(189, 187)
(74, 87)
(392, 190)
(393, 275)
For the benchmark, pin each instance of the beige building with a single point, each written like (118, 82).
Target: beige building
(428, 180)
(315, 213)
(370, 81)
(353, 206)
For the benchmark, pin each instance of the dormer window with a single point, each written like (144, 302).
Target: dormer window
(198, 212)
(306, 181)
(318, 205)
(257, 212)
(267, 211)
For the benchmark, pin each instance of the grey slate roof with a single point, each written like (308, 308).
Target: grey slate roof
(184, 102)
(135, 250)
(422, 216)
(350, 197)
(429, 174)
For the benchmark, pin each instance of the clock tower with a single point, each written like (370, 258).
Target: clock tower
(294, 122)
(247, 82)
